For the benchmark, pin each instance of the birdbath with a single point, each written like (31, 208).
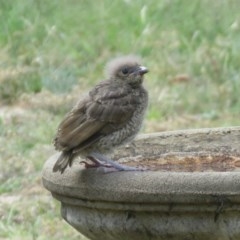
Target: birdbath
(191, 190)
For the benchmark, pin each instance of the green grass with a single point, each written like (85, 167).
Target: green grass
(53, 51)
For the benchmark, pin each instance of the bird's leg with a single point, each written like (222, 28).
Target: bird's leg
(95, 163)
(111, 164)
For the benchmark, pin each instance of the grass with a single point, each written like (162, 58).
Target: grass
(53, 51)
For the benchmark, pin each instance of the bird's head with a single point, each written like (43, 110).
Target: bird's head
(126, 69)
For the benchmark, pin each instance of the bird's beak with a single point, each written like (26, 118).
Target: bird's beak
(142, 70)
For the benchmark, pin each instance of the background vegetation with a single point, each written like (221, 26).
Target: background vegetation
(54, 51)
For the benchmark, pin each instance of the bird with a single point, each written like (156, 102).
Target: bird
(109, 116)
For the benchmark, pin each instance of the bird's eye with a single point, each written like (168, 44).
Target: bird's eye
(125, 71)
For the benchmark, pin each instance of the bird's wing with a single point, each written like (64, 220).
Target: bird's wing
(107, 107)
(76, 128)
(112, 103)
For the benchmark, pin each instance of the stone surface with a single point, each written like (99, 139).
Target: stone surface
(197, 202)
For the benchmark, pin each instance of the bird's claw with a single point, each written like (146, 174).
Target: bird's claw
(89, 165)
(95, 163)
(99, 160)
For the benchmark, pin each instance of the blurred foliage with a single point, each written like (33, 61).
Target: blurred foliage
(54, 51)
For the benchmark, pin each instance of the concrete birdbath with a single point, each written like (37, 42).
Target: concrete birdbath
(192, 190)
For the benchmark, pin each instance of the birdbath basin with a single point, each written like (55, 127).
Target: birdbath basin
(191, 191)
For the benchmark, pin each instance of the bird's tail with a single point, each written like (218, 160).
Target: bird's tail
(64, 160)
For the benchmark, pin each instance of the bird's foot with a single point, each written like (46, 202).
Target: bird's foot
(89, 165)
(98, 160)
(95, 163)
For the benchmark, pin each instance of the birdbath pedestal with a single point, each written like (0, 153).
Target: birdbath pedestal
(191, 191)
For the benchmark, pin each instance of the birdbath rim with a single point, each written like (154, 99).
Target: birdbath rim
(153, 186)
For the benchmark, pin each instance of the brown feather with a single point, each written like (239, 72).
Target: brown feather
(105, 106)
(107, 109)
